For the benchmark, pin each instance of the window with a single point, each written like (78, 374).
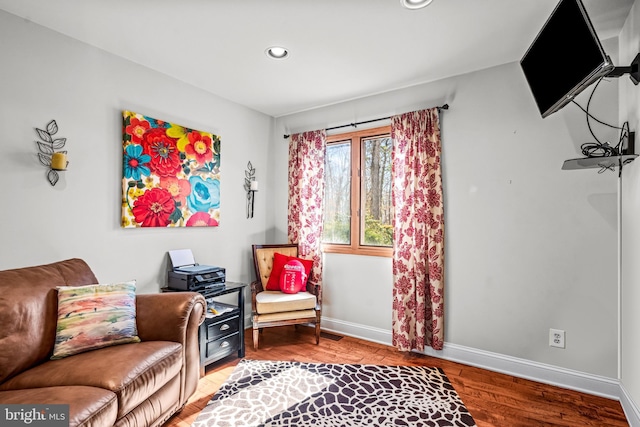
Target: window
(358, 212)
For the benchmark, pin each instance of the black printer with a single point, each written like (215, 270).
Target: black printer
(198, 278)
(187, 275)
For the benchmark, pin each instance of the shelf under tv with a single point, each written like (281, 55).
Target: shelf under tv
(603, 162)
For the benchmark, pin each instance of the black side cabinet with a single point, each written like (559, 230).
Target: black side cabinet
(222, 334)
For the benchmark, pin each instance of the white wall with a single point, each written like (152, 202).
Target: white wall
(528, 246)
(45, 76)
(630, 110)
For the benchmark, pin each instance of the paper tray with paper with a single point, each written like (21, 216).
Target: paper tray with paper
(215, 308)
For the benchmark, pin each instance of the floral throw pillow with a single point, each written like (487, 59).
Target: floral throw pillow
(95, 316)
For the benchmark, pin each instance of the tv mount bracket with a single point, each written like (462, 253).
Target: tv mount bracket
(633, 70)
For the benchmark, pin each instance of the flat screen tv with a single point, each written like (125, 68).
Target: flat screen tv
(565, 57)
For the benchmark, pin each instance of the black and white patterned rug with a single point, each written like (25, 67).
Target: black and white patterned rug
(266, 393)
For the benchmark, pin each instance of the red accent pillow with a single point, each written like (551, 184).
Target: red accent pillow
(279, 260)
(292, 277)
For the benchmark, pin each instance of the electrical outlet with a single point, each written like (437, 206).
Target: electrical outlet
(556, 338)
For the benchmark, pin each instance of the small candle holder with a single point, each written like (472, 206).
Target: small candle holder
(59, 161)
(250, 186)
(48, 156)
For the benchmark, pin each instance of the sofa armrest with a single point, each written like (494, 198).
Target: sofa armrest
(168, 316)
(174, 316)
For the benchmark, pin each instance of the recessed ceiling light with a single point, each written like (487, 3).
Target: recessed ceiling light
(415, 4)
(277, 52)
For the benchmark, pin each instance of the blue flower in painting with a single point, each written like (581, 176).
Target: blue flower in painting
(205, 194)
(134, 162)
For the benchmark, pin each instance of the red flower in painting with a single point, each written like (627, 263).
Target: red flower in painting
(165, 158)
(201, 219)
(153, 208)
(179, 188)
(137, 128)
(199, 147)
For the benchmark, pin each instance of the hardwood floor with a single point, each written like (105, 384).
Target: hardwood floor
(493, 399)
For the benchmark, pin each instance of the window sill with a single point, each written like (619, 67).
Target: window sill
(362, 250)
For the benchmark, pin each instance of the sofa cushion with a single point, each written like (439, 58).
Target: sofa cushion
(132, 371)
(28, 311)
(95, 316)
(158, 407)
(88, 406)
(277, 302)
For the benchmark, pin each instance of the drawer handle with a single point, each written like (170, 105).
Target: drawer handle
(224, 327)
(224, 344)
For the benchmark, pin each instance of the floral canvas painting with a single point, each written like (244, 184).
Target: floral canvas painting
(170, 175)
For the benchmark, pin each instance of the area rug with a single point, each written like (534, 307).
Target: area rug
(266, 393)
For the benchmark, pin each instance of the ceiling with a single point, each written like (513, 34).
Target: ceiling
(339, 49)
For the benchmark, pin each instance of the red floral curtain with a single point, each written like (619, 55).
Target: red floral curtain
(306, 193)
(418, 253)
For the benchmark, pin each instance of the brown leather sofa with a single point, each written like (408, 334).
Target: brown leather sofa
(137, 384)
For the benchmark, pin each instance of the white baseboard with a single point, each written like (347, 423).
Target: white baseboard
(631, 410)
(381, 336)
(548, 374)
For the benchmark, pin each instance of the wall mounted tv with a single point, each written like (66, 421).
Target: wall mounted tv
(565, 57)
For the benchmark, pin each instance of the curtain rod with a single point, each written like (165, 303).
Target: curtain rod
(442, 107)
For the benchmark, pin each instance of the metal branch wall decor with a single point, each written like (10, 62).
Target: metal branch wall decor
(250, 186)
(48, 156)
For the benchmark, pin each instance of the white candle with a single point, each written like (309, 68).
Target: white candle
(59, 161)
(254, 185)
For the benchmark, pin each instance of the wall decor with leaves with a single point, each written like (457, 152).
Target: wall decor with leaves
(48, 156)
(250, 186)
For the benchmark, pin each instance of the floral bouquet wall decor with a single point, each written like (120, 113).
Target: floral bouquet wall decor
(170, 175)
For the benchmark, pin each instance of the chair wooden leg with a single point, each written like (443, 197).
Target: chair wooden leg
(256, 334)
(317, 333)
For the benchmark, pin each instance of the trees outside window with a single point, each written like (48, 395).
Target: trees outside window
(358, 211)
